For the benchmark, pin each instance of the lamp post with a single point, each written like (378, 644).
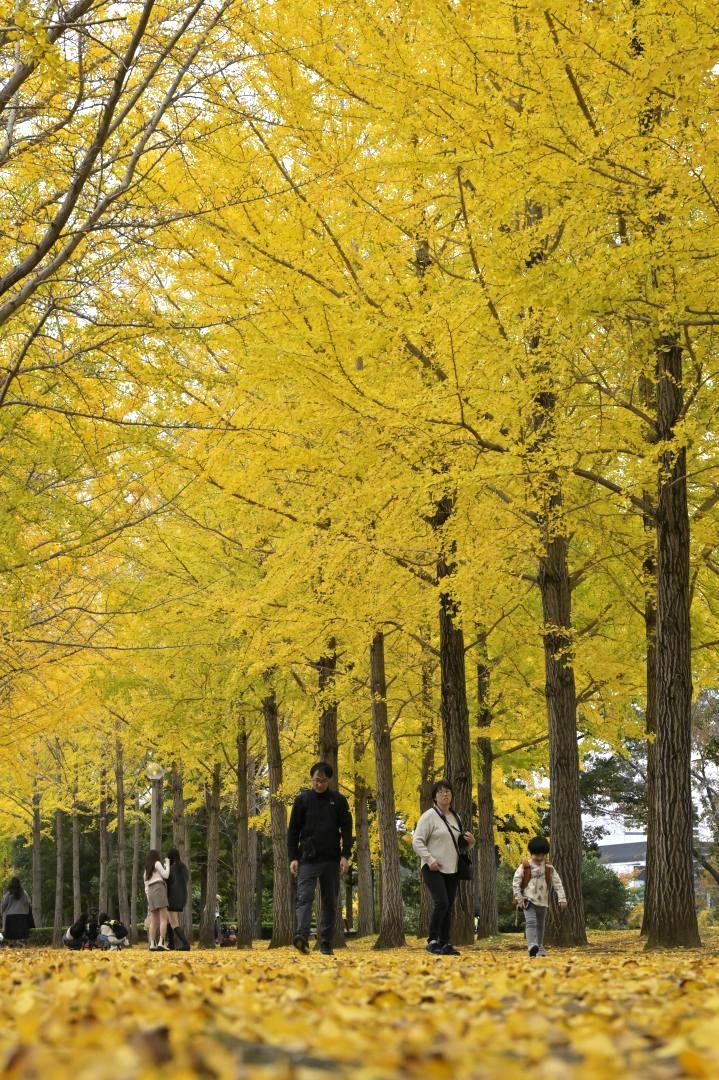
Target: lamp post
(155, 773)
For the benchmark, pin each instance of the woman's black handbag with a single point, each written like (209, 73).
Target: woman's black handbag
(465, 870)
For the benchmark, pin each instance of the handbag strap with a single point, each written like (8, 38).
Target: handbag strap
(444, 819)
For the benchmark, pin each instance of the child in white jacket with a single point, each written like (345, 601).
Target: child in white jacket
(532, 881)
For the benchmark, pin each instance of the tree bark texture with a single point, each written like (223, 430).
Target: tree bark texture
(181, 840)
(365, 889)
(58, 928)
(102, 899)
(428, 740)
(76, 879)
(244, 876)
(328, 750)
(36, 857)
(135, 873)
(282, 907)
(674, 920)
(212, 803)
(391, 928)
(567, 927)
(563, 928)
(485, 850)
(455, 730)
(123, 900)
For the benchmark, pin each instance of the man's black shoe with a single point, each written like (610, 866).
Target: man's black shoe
(301, 944)
(326, 950)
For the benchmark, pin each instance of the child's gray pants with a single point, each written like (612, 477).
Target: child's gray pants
(534, 918)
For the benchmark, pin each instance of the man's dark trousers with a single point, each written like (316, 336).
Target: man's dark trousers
(328, 875)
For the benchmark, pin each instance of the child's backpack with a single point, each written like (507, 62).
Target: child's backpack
(527, 876)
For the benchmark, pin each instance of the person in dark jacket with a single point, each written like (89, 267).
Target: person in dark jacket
(16, 912)
(319, 843)
(176, 900)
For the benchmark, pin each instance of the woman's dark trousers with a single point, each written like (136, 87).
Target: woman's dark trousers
(443, 889)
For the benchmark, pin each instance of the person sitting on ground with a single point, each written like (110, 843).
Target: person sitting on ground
(16, 912)
(532, 881)
(112, 933)
(75, 937)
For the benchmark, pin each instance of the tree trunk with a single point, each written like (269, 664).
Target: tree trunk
(650, 724)
(156, 814)
(455, 730)
(485, 850)
(259, 885)
(180, 840)
(391, 928)
(254, 847)
(282, 907)
(212, 803)
(244, 877)
(57, 928)
(567, 927)
(76, 879)
(123, 905)
(649, 575)
(563, 928)
(428, 741)
(328, 750)
(36, 856)
(674, 920)
(135, 875)
(102, 900)
(365, 888)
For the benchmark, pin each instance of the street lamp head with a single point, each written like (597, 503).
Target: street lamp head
(154, 770)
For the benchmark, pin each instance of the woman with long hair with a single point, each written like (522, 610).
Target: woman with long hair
(157, 872)
(437, 840)
(177, 898)
(16, 912)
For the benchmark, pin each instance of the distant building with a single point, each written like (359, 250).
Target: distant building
(628, 861)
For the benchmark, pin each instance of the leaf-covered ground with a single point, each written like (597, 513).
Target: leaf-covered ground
(608, 1011)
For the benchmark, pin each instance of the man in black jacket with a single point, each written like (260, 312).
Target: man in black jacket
(319, 842)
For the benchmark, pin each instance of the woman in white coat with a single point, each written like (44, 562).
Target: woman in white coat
(437, 840)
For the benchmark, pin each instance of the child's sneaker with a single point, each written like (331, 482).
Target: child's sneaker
(434, 947)
(533, 950)
(542, 951)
